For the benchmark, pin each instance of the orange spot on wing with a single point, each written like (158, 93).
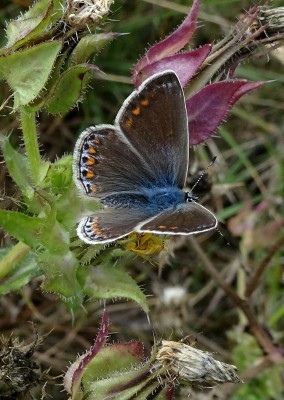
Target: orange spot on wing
(98, 232)
(136, 111)
(90, 174)
(92, 150)
(144, 102)
(91, 161)
(128, 123)
(162, 226)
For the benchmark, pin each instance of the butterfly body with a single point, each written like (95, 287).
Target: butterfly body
(137, 167)
(151, 200)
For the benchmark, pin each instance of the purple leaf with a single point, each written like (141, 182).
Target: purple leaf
(245, 89)
(170, 392)
(99, 343)
(208, 108)
(171, 44)
(74, 374)
(184, 65)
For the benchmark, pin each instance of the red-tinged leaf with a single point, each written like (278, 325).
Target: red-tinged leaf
(113, 360)
(117, 369)
(184, 65)
(208, 108)
(99, 343)
(72, 379)
(170, 392)
(135, 381)
(246, 89)
(172, 44)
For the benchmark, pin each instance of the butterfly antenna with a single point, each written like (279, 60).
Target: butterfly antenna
(196, 183)
(228, 243)
(203, 173)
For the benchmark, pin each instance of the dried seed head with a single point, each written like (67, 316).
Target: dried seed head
(18, 373)
(273, 18)
(82, 12)
(192, 365)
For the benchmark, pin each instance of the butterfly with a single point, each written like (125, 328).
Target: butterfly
(137, 167)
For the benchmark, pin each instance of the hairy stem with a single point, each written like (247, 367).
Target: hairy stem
(28, 122)
(9, 261)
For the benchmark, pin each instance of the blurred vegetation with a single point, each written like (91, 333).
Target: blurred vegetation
(246, 194)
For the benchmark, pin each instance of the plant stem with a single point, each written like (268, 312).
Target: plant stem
(9, 261)
(28, 122)
(255, 278)
(263, 338)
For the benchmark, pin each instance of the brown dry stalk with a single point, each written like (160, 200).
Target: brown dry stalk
(254, 280)
(264, 340)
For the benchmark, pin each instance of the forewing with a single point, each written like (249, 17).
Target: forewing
(107, 226)
(186, 219)
(154, 121)
(105, 163)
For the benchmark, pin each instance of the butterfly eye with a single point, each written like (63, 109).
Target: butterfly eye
(189, 197)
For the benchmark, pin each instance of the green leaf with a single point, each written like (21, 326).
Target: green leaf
(89, 46)
(57, 69)
(26, 269)
(27, 71)
(69, 208)
(59, 176)
(113, 359)
(19, 29)
(19, 169)
(61, 277)
(18, 166)
(23, 227)
(68, 89)
(114, 388)
(106, 254)
(117, 370)
(104, 282)
(37, 21)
